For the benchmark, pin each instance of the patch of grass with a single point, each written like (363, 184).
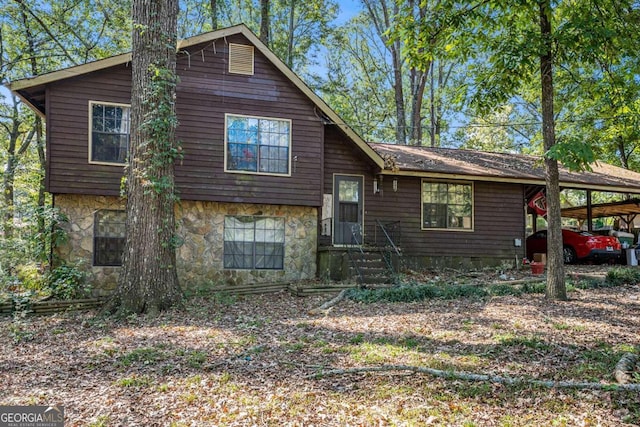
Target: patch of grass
(101, 421)
(561, 326)
(20, 332)
(409, 342)
(196, 359)
(534, 288)
(142, 381)
(189, 397)
(357, 339)
(295, 347)
(502, 290)
(142, 355)
(622, 276)
(529, 342)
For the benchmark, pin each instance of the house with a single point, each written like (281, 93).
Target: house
(274, 187)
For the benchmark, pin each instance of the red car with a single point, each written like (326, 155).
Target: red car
(577, 245)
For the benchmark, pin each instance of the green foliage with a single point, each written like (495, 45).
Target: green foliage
(67, 282)
(135, 381)
(409, 293)
(623, 276)
(20, 331)
(196, 359)
(158, 128)
(143, 356)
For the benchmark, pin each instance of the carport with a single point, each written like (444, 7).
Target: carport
(626, 211)
(601, 178)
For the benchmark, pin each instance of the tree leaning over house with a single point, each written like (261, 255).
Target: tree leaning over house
(148, 282)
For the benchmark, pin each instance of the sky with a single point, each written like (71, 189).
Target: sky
(348, 9)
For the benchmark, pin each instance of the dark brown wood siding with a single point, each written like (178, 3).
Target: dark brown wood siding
(205, 93)
(343, 157)
(498, 220)
(498, 209)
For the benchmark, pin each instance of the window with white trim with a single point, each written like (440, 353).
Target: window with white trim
(254, 242)
(109, 132)
(447, 205)
(257, 144)
(109, 232)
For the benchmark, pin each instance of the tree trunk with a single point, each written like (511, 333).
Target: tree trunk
(8, 181)
(148, 282)
(556, 288)
(264, 22)
(292, 22)
(40, 144)
(214, 15)
(42, 158)
(382, 24)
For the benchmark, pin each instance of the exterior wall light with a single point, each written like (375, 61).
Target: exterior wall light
(395, 184)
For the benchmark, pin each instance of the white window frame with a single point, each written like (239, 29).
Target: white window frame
(90, 136)
(454, 229)
(274, 236)
(258, 172)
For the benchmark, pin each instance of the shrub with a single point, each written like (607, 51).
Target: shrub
(623, 276)
(67, 282)
(410, 293)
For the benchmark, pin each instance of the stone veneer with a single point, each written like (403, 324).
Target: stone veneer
(201, 228)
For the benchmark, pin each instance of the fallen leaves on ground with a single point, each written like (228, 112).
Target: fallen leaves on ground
(247, 361)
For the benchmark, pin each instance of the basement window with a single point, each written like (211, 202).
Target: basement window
(109, 232)
(254, 242)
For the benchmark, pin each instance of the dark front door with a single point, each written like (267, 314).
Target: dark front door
(347, 210)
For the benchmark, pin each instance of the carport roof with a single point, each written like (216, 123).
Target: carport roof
(486, 166)
(623, 208)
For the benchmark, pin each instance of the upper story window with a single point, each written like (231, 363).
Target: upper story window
(257, 144)
(447, 205)
(109, 126)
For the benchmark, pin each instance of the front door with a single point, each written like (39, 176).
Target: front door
(347, 211)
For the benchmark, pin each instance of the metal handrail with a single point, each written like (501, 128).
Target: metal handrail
(385, 252)
(355, 243)
(383, 227)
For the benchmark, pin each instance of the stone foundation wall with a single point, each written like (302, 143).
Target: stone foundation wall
(201, 228)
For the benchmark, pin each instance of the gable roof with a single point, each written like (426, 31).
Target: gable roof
(499, 167)
(31, 90)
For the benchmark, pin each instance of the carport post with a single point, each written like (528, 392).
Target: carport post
(589, 216)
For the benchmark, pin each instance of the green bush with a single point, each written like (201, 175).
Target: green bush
(67, 282)
(623, 276)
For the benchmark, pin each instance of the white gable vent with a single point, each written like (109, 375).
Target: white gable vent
(240, 59)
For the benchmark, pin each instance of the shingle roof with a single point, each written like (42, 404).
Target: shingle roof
(481, 165)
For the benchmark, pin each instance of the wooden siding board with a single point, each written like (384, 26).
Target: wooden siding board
(205, 94)
(498, 210)
(498, 219)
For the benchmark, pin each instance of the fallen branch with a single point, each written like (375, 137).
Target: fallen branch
(478, 377)
(327, 305)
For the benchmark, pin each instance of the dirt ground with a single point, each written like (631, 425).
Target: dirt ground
(251, 361)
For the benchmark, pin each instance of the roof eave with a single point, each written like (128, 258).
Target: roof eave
(515, 180)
